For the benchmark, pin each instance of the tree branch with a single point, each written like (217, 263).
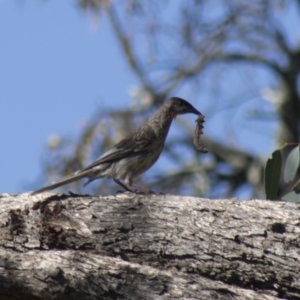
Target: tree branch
(242, 57)
(132, 246)
(127, 47)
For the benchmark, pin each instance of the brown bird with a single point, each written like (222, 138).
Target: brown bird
(136, 153)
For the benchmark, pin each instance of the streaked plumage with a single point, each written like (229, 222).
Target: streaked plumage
(136, 153)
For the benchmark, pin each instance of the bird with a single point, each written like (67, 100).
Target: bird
(134, 154)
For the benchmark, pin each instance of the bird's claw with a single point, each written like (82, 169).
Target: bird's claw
(144, 192)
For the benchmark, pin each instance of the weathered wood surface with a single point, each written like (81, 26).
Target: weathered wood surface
(147, 247)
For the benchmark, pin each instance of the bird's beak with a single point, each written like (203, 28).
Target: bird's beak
(195, 111)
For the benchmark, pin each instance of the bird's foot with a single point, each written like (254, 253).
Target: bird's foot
(144, 191)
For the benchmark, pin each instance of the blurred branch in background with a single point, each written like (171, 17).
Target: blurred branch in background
(211, 51)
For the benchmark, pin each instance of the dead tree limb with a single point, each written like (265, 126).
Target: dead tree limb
(147, 247)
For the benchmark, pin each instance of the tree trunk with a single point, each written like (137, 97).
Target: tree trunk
(131, 246)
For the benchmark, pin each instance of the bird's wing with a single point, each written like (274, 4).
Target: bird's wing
(134, 143)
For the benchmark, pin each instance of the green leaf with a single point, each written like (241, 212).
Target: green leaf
(291, 165)
(292, 197)
(272, 175)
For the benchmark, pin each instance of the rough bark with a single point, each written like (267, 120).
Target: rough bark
(147, 247)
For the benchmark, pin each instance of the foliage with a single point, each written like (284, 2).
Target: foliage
(272, 175)
(289, 176)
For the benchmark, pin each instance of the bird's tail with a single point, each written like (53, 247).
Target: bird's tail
(63, 181)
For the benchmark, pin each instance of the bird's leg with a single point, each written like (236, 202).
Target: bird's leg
(138, 190)
(123, 185)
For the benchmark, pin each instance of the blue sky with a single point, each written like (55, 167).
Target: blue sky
(55, 68)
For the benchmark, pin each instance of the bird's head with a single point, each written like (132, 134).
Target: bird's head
(180, 106)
